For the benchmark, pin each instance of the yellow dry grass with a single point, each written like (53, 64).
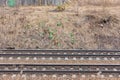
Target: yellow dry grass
(94, 26)
(99, 2)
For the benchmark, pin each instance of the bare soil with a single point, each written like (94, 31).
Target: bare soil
(54, 77)
(61, 61)
(93, 24)
(92, 27)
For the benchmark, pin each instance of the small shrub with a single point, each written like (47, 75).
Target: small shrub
(60, 8)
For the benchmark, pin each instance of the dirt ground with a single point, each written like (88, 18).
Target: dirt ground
(55, 77)
(91, 27)
(61, 61)
(84, 27)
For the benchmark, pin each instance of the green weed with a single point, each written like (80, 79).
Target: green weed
(72, 38)
(42, 24)
(28, 26)
(51, 33)
(59, 44)
(59, 24)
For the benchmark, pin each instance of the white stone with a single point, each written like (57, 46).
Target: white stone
(43, 58)
(19, 53)
(94, 53)
(83, 76)
(34, 58)
(27, 58)
(105, 58)
(58, 53)
(23, 76)
(44, 75)
(25, 68)
(81, 58)
(4, 53)
(87, 53)
(74, 76)
(90, 58)
(43, 69)
(43, 53)
(99, 73)
(34, 75)
(102, 53)
(64, 75)
(53, 68)
(80, 69)
(97, 69)
(6, 68)
(34, 68)
(10, 58)
(51, 58)
(65, 53)
(13, 76)
(58, 58)
(112, 58)
(28, 53)
(106, 69)
(35, 53)
(72, 53)
(102, 76)
(50, 53)
(92, 75)
(54, 76)
(79, 53)
(1, 58)
(110, 76)
(16, 69)
(116, 53)
(119, 76)
(109, 53)
(18, 58)
(74, 58)
(114, 69)
(4, 75)
(66, 58)
(97, 58)
(71, 68)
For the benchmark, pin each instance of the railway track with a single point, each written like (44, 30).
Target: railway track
(62, 54)
(61, 68)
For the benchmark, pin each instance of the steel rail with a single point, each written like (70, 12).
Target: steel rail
(62, 55)
(70, 71)
(30, 70)
(58, 71)
(87, 65)
(57, 50)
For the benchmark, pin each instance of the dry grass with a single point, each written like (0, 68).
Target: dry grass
(36, 27)
(94, 27)
(99, 2)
